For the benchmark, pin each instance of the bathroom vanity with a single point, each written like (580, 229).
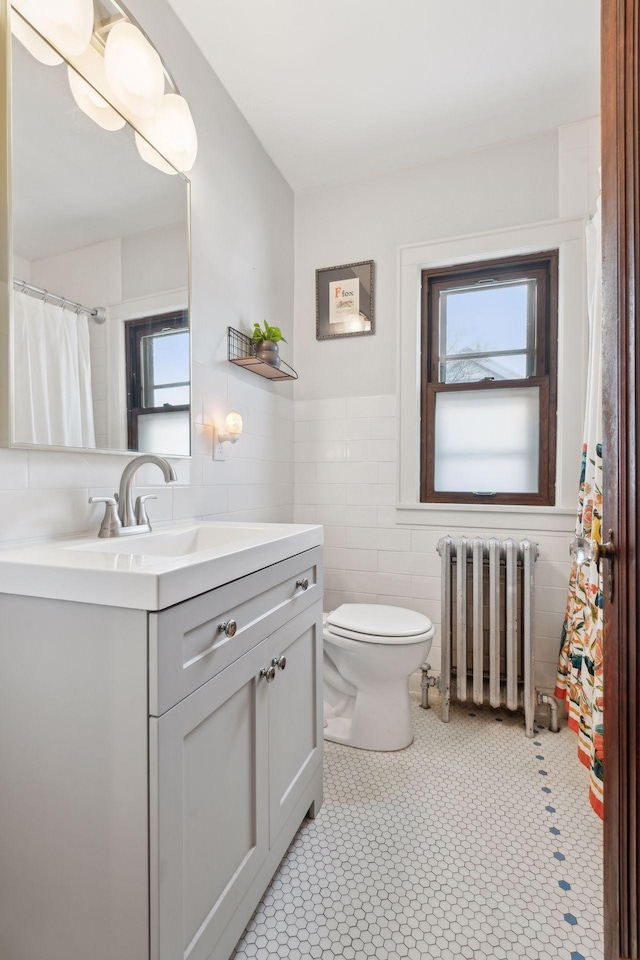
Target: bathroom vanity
(160, 736)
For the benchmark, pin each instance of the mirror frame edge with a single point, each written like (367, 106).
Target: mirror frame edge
(7, 440)
(6, 240)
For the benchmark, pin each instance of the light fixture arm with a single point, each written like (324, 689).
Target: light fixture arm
(224, 437)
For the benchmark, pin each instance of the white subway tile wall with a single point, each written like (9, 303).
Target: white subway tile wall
(45, 493)
(311, 461)
(345, 478)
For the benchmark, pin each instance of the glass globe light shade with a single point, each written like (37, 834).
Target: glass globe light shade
(36, 46)
(233, 423)
(91, 103)
(134, 70)
(68, 24)
(173, 133)
(152, 157)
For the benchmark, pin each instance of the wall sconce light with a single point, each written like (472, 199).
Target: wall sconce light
(233, 425)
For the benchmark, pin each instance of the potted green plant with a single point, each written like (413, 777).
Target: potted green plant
(265, 340)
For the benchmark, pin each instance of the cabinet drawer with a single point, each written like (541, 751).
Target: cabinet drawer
(188, 643)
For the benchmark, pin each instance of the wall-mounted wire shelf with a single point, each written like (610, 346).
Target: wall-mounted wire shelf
(241, 352)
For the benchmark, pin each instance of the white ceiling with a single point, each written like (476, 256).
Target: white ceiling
(341, 89)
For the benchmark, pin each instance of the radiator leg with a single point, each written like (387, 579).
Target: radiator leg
(529, 711)
(552, 703)
(427, 682)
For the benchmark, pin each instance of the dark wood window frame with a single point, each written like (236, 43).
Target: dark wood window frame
(543, 267)
(135, 330)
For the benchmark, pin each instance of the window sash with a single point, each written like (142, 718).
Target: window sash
(529, 350)
(146, 361)
(543, 267)
(545, 490)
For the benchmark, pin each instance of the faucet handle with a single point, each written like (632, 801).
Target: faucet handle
(111, 521)
(141, 511)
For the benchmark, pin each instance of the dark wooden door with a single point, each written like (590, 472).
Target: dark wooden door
(621, 379)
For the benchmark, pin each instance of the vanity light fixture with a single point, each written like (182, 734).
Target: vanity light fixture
(91, 103)
(119, 75)
(67, 23)
(134, 70)
(173, 132)
(233, 425)
(34, 43)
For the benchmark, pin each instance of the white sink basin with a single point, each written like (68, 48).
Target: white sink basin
(182, 543)
(151, 571)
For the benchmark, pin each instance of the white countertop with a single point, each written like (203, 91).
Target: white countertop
(135, 571)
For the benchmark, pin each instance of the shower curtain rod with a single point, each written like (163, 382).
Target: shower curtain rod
(96, 313)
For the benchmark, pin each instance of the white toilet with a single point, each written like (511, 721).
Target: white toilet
(370, 651)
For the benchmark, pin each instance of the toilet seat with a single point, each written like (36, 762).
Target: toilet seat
(379, 624)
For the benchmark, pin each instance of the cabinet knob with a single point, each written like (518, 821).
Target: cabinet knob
(229, 628)
(269, 673)
(304, 583)
(279, 662)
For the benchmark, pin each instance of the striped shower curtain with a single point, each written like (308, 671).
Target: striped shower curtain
(580, 670)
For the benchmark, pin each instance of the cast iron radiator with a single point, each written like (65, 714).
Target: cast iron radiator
(487, 630)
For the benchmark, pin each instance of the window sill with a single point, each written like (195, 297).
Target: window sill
(553, 520)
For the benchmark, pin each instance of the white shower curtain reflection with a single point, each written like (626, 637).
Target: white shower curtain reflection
(52, 375)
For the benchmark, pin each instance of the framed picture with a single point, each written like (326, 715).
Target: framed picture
(344, 300)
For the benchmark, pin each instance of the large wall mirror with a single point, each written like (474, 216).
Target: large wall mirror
(100, 353)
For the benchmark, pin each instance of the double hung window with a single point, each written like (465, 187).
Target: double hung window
(158, 383)
(489, 360)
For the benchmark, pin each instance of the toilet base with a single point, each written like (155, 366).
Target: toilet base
(370, 721)
(338, 730)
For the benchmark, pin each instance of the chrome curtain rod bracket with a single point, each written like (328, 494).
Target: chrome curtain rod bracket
(97, 314)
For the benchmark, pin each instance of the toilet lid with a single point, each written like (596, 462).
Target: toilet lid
(377, 620)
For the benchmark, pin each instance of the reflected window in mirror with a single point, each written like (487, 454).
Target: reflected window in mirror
(157, 363)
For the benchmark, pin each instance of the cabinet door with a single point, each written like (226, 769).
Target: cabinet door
(295, 713)
(208, 807)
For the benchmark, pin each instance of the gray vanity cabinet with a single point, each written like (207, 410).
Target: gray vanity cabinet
(229, 765)
(152, 776)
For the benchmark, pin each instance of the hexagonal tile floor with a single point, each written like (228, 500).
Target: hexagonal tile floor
(474, 842)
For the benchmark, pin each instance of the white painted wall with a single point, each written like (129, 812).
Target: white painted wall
(347, 399)
(242, 270)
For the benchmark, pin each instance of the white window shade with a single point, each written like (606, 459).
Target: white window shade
(165, 433)
(487, 440)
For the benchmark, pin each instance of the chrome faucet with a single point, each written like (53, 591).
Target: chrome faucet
(127, 519)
